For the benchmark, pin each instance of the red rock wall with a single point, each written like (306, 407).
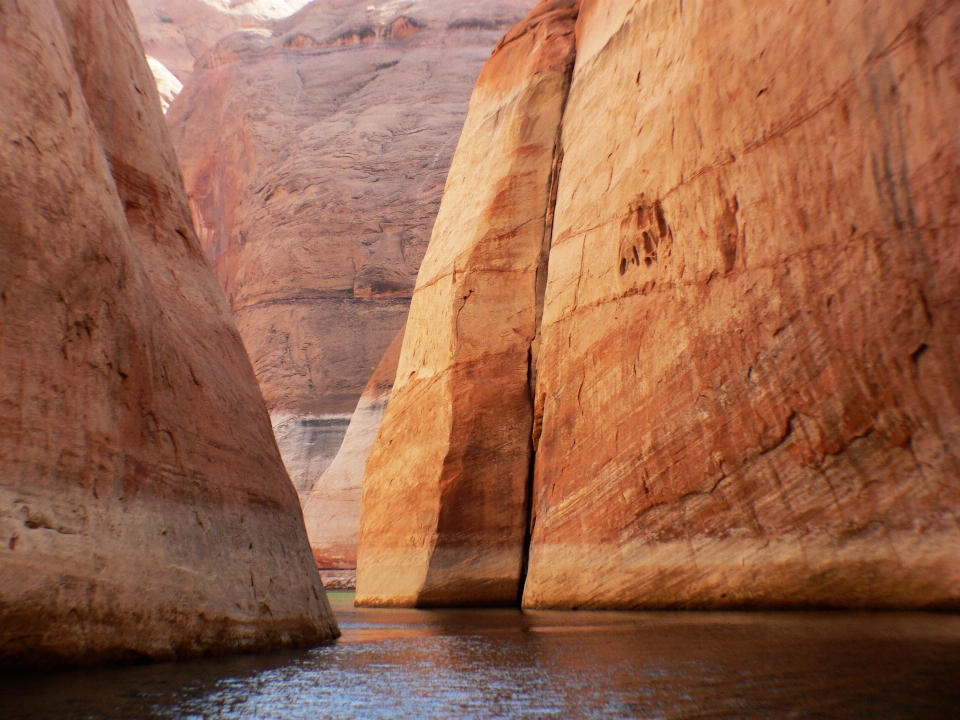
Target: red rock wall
(315, 159)
(144, 509)
(749, 378)
(454, 447)
(747, 391)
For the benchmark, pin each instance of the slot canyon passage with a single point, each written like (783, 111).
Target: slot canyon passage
(609, 348)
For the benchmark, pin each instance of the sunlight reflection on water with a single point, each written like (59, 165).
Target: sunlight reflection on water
(508, 664)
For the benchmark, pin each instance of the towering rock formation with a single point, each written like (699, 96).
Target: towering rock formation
(455, 445)
(747, 377)
(315, 158)
(144, 509)
(751, 335)
(332, 511)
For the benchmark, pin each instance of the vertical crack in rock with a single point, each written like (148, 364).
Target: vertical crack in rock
(455, 446)
(543, 268)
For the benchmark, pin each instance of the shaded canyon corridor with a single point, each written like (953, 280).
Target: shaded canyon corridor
(531, 321)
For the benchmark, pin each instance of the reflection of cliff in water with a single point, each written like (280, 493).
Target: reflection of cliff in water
(506, 663)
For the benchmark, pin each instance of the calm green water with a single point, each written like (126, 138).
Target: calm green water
(507, 664)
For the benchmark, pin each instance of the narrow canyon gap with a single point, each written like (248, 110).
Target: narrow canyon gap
(444, 507)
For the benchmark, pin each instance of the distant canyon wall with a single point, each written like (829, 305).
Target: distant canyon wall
(144, 509)
(744, 381)
(332, 510)
(315, 153)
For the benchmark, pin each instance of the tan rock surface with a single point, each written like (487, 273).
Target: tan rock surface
(747, 391)
(332, 512)
(144, 510)
(315, 159)
(179, 32)
(751, 336)
(444, 498)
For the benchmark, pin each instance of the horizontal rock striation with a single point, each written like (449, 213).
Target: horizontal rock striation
(144, 509)
(746, 369)
(315, 157)
(443, 517)
(332, 511)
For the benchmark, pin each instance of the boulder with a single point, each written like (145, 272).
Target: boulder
(144, 509)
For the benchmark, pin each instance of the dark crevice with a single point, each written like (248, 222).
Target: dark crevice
(534, 350)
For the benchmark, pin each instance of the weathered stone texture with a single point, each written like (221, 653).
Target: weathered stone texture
(332, 511)
(751, 334)
(444, 499)
(144, 509)
(746, 372)
(315, 157)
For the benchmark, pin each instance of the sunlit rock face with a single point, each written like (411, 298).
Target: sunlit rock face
(315, 157)
(746, 387)
(332, 510)
(443, 513)
(749, 375)
(144, 509)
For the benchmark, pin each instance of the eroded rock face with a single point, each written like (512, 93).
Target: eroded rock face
(455, 445)
(747, 391)
(144, 509)
(750, 338)
(332, 511)
(315, 159)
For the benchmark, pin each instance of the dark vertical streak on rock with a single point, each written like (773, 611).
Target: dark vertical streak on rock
(532, 356)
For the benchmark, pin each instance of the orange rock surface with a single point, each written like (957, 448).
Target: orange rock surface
(315, 158)
(747, 391)
(144, 509)
(444, 499)
(332, 511)
(751, 334)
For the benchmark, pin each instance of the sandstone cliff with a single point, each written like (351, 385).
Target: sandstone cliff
(747, 391)
(455, 447)
(144, 509)
(332, 511)
(315, 158)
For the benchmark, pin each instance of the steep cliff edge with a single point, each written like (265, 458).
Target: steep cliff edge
(749, 373)
(443, 517)
(315, 158)
(144, 509)
(332, 511)
(747, 391)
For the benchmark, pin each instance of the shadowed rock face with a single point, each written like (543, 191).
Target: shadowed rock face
(332, 511)
(314, 159)
(144, 509)
(455, 446)
(746, 382)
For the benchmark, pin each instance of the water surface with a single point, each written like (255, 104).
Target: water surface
(508, 664)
